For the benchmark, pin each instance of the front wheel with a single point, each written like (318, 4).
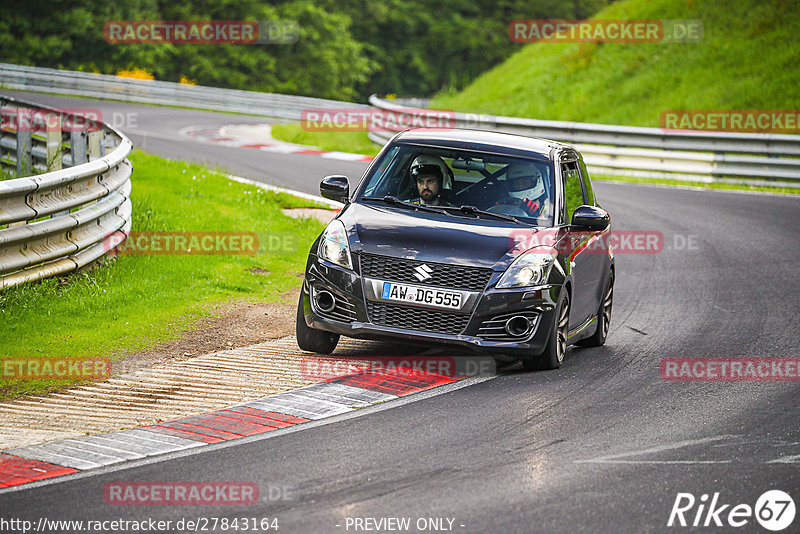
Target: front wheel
(311, 339)
(553, 354)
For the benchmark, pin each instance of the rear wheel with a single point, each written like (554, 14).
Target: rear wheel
(553, 354)
(311, 339)
(603, 317)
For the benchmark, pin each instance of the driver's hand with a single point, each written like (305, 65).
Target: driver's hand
(531, 206)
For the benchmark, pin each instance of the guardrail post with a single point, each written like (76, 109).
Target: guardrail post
(24, 145)
(54, 149)
(53, 126)
(94, 145)
(77, 141)
(24, 156)
(5, 156)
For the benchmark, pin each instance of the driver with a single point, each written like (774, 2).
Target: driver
(525, 186)
(429, 181)
(433, 178)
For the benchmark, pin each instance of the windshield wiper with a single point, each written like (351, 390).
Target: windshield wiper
(472, 210)
(389, 199)
(469, 210)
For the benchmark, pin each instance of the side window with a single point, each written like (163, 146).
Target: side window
(381, 181)
(573, 194)
(587, 185)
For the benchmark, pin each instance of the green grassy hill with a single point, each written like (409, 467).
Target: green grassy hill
(749, 59)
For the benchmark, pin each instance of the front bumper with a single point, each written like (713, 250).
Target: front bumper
(352, 316)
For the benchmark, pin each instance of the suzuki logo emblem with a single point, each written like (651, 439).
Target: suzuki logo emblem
(423, 272)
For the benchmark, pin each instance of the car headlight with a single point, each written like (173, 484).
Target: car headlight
(333, 245)
(529, 269)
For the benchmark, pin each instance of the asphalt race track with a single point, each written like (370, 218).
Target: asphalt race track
(602, 445)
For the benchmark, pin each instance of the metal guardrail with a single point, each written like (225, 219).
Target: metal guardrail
(157, 92)
(59, 221)
(771, 159)
(47, 226)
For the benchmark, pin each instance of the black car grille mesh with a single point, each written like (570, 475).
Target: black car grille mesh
(442, 275)
(439, 322)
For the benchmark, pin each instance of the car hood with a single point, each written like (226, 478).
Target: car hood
(441, 238)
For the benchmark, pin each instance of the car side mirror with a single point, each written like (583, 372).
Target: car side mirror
(591, 217)
(335, 188)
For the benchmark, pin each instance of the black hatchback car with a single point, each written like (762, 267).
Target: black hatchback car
(463, 238)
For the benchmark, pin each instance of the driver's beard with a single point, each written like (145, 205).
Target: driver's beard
(428, 197)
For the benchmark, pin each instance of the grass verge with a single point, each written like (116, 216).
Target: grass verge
(352, 142)
(747, 59)
(137, 301)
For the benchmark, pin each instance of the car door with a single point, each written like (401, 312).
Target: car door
(579, 260)
(597, 259)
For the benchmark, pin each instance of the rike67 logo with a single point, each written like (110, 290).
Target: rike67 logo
(774, 510)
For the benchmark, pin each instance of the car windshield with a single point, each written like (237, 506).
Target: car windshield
(437, 178)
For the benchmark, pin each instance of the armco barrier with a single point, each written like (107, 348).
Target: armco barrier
(157, 92)
(56, 222)
(772, 159)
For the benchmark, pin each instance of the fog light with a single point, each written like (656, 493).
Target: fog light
(325, 300)
(518, 325)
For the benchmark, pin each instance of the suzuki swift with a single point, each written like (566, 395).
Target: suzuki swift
(463, 238)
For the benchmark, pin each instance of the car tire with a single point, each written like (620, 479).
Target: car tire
(553, 354)
(311, 339)
(603, 316)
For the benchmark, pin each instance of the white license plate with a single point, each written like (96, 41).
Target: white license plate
(436, 298)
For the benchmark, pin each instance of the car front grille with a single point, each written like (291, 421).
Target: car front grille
(441, 275)
(440, 322)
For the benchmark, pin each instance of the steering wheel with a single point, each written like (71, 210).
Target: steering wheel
(521, 205)
(510, 208)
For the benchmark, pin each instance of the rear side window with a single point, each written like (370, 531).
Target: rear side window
(587, 185)
(573, 193)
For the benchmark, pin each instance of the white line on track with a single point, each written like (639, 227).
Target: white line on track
(618, 458)
(268, 187)
(794, 459)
